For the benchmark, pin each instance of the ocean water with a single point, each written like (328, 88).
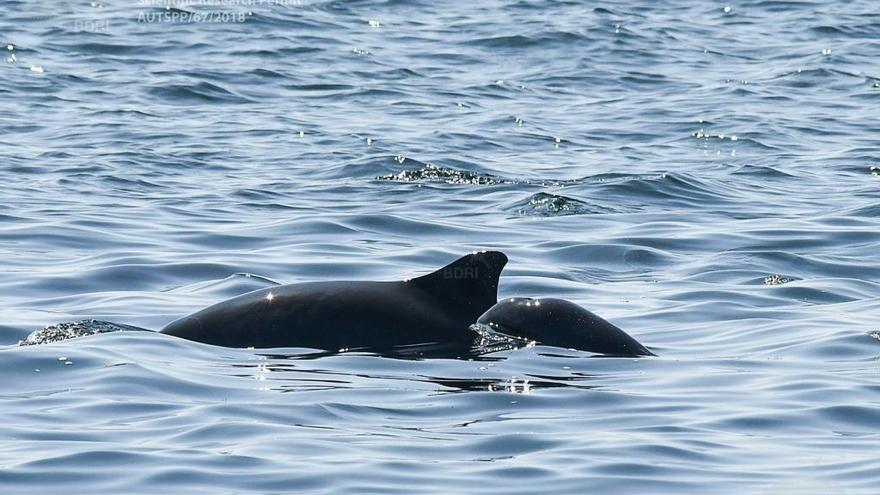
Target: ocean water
(704, 174)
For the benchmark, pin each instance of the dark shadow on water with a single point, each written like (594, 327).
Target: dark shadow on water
(511, 385)
(287, 376)
(414, 352)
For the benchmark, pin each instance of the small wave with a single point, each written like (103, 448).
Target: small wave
(525, 41)
(201, 92)
(763, 171)
(231, 286)
(777, 279)
(71, 330)
(125, 184)
(781, 5)
(319, 87)
(810, 78)
(268, 73)
(643, 78)
(547, 205)
(433, 173)
(850, 31)
(257, 194)
(872, 210)
(109, 48)
(277, 53)
(677, 189)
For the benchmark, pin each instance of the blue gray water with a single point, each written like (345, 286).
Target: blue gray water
(703, 174)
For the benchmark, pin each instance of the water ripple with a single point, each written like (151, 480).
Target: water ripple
(703, 175)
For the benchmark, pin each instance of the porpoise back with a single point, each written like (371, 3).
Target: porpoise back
(435, 308)
(560, 323)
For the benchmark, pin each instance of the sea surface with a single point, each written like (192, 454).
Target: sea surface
(706, 175)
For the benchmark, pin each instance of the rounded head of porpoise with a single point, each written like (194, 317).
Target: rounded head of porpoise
(560, 323)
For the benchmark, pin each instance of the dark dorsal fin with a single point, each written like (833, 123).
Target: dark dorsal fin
(470, 282)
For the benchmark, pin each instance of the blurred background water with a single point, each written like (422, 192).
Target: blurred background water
(703, 174)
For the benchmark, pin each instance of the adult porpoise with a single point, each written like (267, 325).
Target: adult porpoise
(436, 308)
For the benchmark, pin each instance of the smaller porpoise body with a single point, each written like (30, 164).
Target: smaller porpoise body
(560, 323)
